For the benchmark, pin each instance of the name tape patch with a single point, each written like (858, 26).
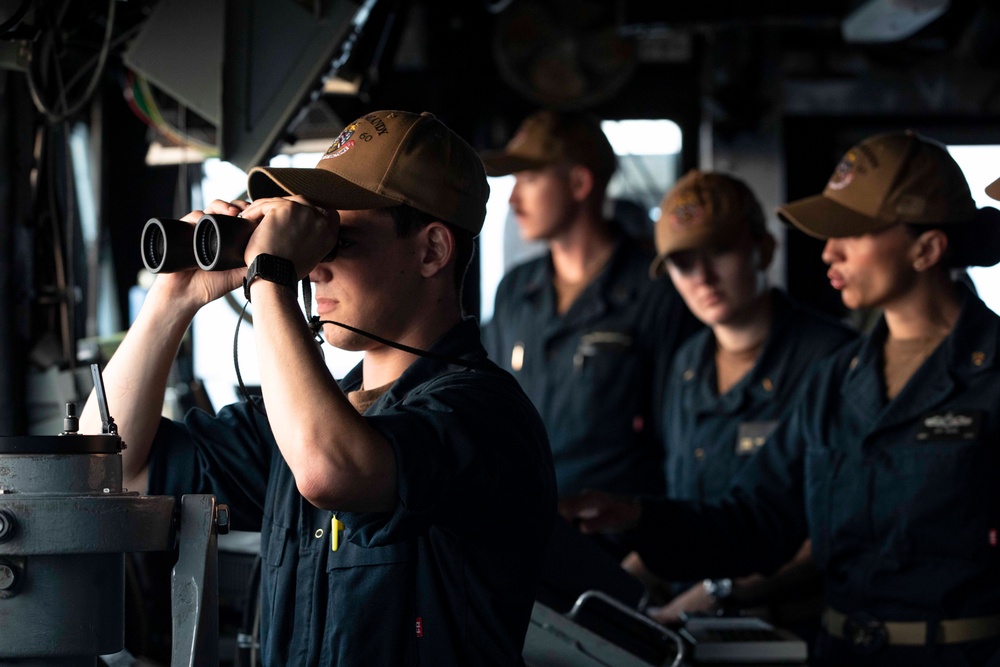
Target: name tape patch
(951, 425)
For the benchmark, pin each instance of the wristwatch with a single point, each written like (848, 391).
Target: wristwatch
(273, 269)
(720, 589)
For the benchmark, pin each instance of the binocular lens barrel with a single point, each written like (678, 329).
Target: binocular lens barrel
(166, 245)
(216, 243)
(220, 240)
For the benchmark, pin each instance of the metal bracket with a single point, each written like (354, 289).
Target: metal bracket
(196, 583)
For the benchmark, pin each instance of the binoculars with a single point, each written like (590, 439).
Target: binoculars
(215, 243)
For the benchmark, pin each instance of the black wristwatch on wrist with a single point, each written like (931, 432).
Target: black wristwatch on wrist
(719, 589)
(272, 269)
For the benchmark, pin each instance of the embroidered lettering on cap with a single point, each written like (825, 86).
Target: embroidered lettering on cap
(870, 154)
(377, 123)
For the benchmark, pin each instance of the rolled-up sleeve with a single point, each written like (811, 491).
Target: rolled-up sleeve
(228, 456)
(456, 445)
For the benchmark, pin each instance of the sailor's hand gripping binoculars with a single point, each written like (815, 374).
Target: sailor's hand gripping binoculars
(215, 243)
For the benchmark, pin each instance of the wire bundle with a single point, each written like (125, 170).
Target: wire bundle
(141, 100)
(48, 51)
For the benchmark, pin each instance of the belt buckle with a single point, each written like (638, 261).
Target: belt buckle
(865, 632)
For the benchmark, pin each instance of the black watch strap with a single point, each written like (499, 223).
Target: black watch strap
(272, 269)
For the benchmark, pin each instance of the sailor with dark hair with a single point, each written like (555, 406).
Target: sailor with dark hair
(403, 511)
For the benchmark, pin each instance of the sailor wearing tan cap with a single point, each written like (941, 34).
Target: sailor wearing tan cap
(583, 328)
(403, 512)
(888, 460)
(731, 383)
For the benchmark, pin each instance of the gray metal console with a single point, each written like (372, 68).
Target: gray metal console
(66, 524)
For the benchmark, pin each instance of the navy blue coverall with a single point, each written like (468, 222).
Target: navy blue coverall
(707, 437)
(592, 371)
(900, 498)
(448, 577)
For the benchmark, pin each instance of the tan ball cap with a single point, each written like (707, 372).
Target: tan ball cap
(385, 159)
(891, 178)
(993, 189)
(703, 210)
(551, 137)
(901, 178)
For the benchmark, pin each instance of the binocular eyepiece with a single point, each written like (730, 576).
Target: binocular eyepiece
(215, 243)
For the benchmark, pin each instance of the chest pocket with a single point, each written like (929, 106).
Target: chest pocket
(373, 587)
(350, 555)
(597, 347)
(604, 373)
(601, 401)
(933, 496)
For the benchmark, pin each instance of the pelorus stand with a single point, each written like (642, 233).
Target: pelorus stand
(66, 524)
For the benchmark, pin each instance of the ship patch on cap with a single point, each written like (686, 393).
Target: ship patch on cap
(342, 143)
(686, 214)
(844, 173)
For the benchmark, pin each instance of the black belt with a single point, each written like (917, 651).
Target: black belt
(866, 631)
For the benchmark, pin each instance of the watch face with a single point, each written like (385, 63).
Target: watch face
(718, 588)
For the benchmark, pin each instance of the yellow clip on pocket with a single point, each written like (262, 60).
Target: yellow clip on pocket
(335, 527)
